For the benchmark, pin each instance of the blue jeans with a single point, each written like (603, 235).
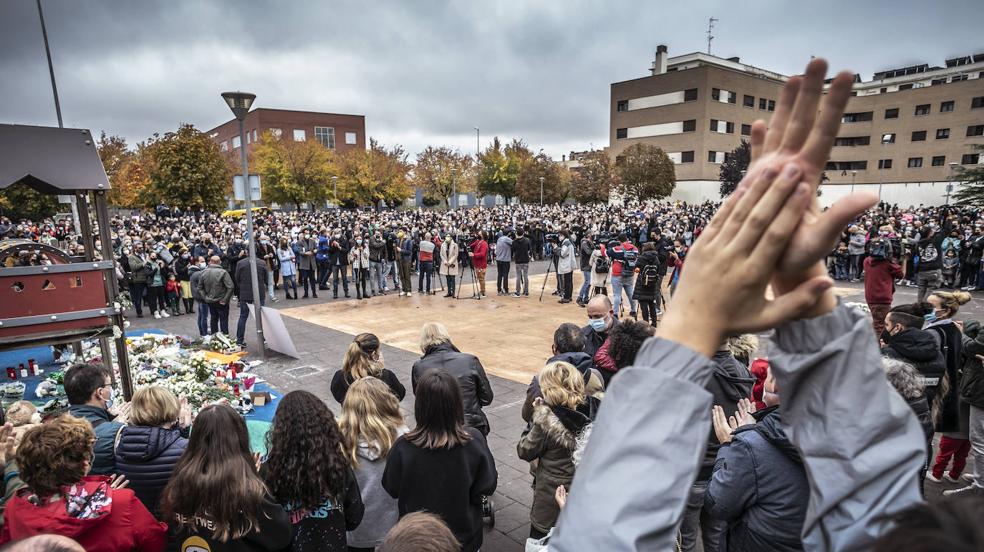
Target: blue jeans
(243, 316)
(202, 318)
(336, 272)
(582, 295)
(618, 284)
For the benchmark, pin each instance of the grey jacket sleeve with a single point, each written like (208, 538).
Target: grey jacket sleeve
(634, 478)
(862, 447)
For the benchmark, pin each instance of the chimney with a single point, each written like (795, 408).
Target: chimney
(659, 64)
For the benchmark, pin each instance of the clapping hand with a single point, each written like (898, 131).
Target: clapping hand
(6, 443)
(118, 481)
(724, 427)
(560, 495)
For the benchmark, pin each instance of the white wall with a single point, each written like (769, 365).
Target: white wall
(927, 193)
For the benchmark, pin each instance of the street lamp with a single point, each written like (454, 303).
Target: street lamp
(454, 189)
(854, 175)
(541, 191)
(239, 103)
(478, 151)
(334, 190)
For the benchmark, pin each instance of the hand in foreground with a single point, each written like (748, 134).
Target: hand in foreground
(722, 430)
(184, 413)
(743, 416)
(797, 134)
(118, 481)
(722, 292)
(6, 444)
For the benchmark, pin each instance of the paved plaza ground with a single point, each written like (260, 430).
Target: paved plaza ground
(512, 337)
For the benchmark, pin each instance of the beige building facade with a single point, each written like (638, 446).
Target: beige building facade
(904, 132)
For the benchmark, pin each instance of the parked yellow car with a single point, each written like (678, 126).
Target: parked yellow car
(240, 213)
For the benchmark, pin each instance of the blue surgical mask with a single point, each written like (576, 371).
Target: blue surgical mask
(598, 324)
(930, 317)
(111, 399)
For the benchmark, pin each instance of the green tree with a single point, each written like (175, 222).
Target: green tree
(440, 171)
(594, 180)
(367, 176)
(22, 202)
(734, 167)
(499, 167)
(293, 172)
(188, 170)
(556, 181)
(645, 172)
(971, 190)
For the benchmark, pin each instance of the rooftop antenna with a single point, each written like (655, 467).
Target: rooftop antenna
(710, 29)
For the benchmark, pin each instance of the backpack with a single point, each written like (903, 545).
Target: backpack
(649, 275)
(631, 256)
(602, 265)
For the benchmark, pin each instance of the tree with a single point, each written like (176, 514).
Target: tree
(131, 182)
(293, 172)
(433, 173)
(645, 172)
(593, 181)
(499, 168)
(556, 181)
(188, 170)
(971, 190)
(734, 167)
(22, 202)
(367, 176)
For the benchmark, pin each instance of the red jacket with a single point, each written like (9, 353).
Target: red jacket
(480, 260)
(879, 280)
(617, 265)
(119, 522)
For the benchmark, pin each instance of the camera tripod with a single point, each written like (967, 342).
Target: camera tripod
(474, 282)
(546, 277)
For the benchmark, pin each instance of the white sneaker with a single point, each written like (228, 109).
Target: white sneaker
(165, 314)
(950, 478)
(157, 314)
(933, 478)
(969, 477)
(967, 491)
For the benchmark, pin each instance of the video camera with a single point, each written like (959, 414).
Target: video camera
(465, 239)
(552, 237)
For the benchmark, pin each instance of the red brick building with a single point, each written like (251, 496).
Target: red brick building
(335, 131)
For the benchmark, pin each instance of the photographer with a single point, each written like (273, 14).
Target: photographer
(585, 250)
(566, 260)
(881, 270)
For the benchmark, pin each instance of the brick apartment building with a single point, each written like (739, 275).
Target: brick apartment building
(335, 131)
(903, 135)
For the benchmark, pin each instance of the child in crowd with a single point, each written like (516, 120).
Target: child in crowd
(841, 258)
(951, 262)
(172, 289)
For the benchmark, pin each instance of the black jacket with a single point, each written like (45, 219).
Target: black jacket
(521, 248)
(146, 456)
(338, 256)
(731, 382)
(446, 482)
(931, 252)
(920, 349)
(244, 280)
(972, 378)
(273, 532)
(340, 385)
(476, 391)
(585, 250)
(647, 290)
(950, 415)
(594, 340)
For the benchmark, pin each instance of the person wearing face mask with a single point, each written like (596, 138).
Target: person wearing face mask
(880, 271)
(904, 339)
(929, 275)
(971, 254)
(90, 392)
(181, 270)
(338, 251)
(601, 320)
(307, 247)
(358, 257)
(137, 262)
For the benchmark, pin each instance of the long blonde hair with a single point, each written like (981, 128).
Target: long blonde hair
(370, 412)
(359, 361)
(562, 385)
(433, 334)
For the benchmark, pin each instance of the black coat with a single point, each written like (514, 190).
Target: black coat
(521, 248)
(146, 456)
(648, 290)
(947, 399)
(730, 383)
(476, 391)
(446, 482)
(340, 384)
(920, 349)
(244, 280)
(972, 378)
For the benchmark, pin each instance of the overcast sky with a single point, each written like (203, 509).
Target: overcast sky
(427, 72)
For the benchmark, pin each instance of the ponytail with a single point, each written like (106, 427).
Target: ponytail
(358, 360)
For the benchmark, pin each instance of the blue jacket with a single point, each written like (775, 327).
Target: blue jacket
(760, 488)
(106, 430)
(146, 456)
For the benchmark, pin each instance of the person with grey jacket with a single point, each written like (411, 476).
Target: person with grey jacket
(859, 441)
(195, 272)
(215, 287)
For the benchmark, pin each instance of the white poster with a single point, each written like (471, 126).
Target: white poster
(275, 332)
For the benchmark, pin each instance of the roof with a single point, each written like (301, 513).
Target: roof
(49, 159)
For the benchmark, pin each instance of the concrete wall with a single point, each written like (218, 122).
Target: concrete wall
(914, 193)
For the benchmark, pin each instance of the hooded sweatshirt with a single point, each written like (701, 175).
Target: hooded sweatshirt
(381, 511)
(919, 348)
(146, 456)
(731, 382)
(98, 517)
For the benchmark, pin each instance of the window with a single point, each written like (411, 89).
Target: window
(918, 135)
(748, 101)
(762, 103)
(975, 130)
(846, 165)
(946, 107)
(622, 105)
(325, 135)
(716, 157)
(723, 96)
(299, 135)
(236, 143)
(938, 81)
(853, 141)
(977, 102)
(958, 78)
(690, 125)
(729, 128)
(350, 138)
(888, 138)
(859, 117)
(224, 145)
(970, 159)
(939, 160)
(892, 113)
(687, 156)
(915, 162)
(621, 133)
(690, 95)
(254, 134)
(722, 126)
(884, 163)
(276, 132)
(922, 109)
(942, 133)
(772, 105)
(714, 125)
(746, 130)
(249, 137)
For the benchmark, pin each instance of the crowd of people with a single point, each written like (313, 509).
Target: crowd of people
(689, 435)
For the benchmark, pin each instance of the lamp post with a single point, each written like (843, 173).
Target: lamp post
(854, 175)
(454, 189)
(334, 190)
(239, 103)
(541, 191)
(478, 151)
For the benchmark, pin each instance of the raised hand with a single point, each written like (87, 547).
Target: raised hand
(722, 429)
